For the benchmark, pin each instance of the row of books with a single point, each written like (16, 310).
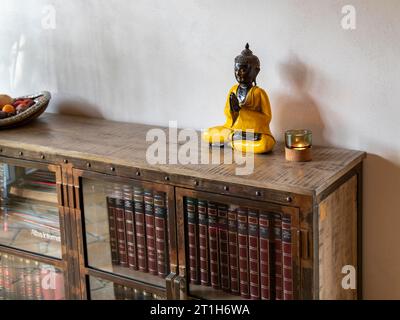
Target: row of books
(125, 293)
(243, 251)
(23, 279)
(138, 231)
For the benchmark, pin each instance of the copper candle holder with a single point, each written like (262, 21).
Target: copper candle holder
(298, 145)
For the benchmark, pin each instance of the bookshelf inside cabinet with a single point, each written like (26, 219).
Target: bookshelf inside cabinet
(235, 248)
(322, 198)
(33, 248)
(126, 232)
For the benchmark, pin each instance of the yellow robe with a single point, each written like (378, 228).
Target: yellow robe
(255, 114)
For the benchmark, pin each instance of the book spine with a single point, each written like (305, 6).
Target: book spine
(46, 282)
(150, 234)
(264, 229)
(223, 247)
(8, 294)
(129, 294)
(121, 232)
(2, 260)
(130, 233)
(192, 215)
(111, 206)
(118, 292)
(12, 277)
(213, 244)
(29, 280)
(160, 212)
(20, 280)
(243, 253)
(59, 293)
(37, 291)
(287, 258)
(278, 257)
(140, 229)
(203, 242)
(254, 251)
(233, 252)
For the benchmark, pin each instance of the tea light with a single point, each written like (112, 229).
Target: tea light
(298, 144)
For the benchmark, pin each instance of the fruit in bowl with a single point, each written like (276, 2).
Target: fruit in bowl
(17, 111)
(10, 107)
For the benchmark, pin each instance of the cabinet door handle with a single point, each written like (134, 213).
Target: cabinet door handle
(180, 288)
(170, 286)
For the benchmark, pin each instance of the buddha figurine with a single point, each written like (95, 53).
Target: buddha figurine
(247, 108)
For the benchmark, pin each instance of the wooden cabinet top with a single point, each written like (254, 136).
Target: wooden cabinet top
(125, 144)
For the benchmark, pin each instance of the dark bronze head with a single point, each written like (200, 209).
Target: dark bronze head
(247, 67)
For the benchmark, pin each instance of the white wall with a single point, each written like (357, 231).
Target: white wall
(152, 61)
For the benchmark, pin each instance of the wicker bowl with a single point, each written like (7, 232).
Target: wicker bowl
(41, 100)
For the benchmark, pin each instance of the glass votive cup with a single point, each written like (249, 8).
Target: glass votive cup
(298, 139)
(298, 145)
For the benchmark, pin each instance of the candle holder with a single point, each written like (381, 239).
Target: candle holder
(298, 145)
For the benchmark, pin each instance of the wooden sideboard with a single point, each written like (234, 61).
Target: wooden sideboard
(93, 158)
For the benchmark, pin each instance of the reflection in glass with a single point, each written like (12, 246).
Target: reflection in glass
(101, 289)
(25, 279)
(29, 216)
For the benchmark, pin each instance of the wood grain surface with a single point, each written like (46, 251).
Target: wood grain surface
(125, 144)
(337, 240)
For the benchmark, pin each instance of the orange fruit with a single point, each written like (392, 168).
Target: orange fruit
(8, 108)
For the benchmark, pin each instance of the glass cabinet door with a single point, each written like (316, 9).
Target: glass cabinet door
(29, 214)
(101, 289)
(126, 228)
(236, 248)
(28, 279)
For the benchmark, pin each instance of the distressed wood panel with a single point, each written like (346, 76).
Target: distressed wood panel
(125, 144)
(337, 240)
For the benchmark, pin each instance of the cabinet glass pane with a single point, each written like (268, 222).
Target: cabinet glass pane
(126, 230)
(101, 289)
(237, 252)
(24, 279)
(29, 216)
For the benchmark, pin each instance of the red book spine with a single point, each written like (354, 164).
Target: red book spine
(203, 243)
(223, 247)
(264, 230)
(140, 229)
(59, 293)
(287, 258)
(233, 252)
(112, 224)
(193, 232)
(46, 282)
(160, 212)
(278, 257)
(254, 259)
(213, 244)
(243, 253)
(121, 232)
(150, 234)
(130, 233)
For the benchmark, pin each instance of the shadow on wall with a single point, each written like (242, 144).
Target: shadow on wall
(295, 108)
(76, 107)
(381, 221)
